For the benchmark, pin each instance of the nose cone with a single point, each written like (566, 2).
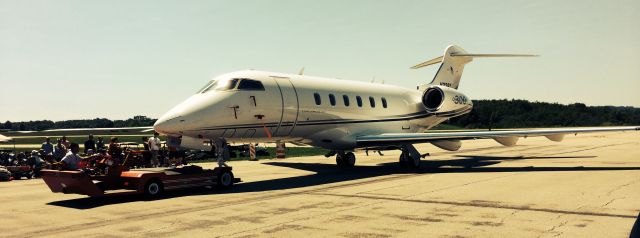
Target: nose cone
(169, 124)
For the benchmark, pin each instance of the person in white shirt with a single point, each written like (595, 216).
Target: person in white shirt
(154, 147)
(71, 160)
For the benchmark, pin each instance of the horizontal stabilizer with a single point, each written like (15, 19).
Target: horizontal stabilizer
(439, 58)
(428, 62)
(493, 55)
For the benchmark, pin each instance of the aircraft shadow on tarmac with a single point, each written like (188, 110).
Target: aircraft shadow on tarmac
(330, 173)
(635, 230)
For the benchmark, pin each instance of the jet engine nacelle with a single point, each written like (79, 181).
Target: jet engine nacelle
(440, 99)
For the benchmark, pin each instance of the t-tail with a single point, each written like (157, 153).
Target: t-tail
(453, 62)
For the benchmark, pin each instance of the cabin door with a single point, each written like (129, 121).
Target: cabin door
(289, 112)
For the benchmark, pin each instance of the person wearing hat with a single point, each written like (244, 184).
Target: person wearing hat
(36, 162)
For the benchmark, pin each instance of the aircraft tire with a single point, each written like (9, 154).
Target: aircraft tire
(349, 159)
(407, 161)
(225, 180)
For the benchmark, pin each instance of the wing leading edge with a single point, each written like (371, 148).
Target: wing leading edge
(504, 137)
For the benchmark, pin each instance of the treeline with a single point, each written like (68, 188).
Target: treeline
(521, 113)
(485, 114)
(88, 123)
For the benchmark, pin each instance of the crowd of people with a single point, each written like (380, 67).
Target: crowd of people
(66, 155)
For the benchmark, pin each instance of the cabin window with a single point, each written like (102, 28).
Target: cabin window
(346, 100)
(384, 102)
(359, 101)
(250, 84)
(332, 100)
(317, 97)
(372, 102)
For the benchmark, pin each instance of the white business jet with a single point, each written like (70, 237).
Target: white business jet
(339, 115)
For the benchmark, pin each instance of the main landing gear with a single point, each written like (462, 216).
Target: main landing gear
(410, 157)
(345, 159)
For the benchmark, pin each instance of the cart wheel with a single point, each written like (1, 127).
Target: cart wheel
(29, 175)
(153, 188)
(225, 180)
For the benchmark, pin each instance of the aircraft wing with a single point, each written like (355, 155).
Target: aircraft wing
(5, 139)
(142, 130)
(504, 137)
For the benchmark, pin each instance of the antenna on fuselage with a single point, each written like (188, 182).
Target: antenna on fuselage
(301, 72)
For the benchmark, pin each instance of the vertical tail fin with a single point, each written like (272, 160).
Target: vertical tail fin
(453, 62)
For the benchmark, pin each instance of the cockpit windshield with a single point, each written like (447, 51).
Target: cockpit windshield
(241, 84)
(219, 85)
(207, 86)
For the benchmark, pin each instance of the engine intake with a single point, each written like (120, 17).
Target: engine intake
(445, 101)
(433, 98)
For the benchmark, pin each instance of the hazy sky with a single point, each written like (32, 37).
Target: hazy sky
(116, 59)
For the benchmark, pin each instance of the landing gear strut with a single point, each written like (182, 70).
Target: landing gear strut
(345, 159)
(410, 157)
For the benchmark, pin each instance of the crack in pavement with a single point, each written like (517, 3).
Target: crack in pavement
(496, 205)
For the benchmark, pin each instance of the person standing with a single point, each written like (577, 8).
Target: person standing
(90, 144)
(47, 147)
(175, 157)
(59, 150)
(146, 154)
(222, 152)
(154, 147)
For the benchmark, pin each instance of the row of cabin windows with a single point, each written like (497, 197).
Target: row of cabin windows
(345, 99)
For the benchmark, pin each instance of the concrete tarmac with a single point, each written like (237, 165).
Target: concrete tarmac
(585, 186)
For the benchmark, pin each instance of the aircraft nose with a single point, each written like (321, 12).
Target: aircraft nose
(169, 124)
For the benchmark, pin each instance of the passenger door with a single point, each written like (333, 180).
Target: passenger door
(289, 108)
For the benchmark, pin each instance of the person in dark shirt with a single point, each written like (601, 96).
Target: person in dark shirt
(114, 149)
(89, 144)
(145, 143)
(146, 154)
